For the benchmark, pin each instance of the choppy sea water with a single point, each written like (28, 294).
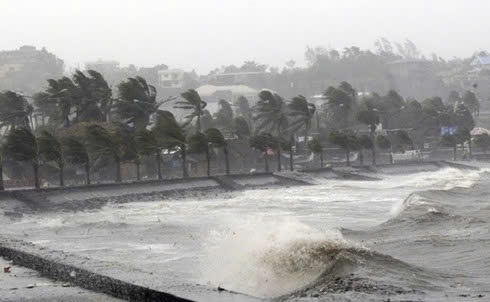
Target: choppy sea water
(417, 237)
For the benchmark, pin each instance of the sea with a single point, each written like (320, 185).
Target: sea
(422, 236)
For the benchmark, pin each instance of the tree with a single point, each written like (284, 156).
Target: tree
(462, 117)
(198, 143)
(136, 103)
(21, 145)
(172, 136)
(224, 116)
(241, 127)
(365, 143)
(345, 140)
(471, 102)
(449, 140)
(147, 144)
(482, 141)
(15, 111)
(51, 150)
(216, 139)
(192, 101)
(302, 112)
(262, 142)
(369, 116)
(402, 140)
(244, 109)
(103, 142)
(96, 96)
(339, 106)
(316, 147)
(383, 143)
(270, 112)
(76, 153)
(66, 95)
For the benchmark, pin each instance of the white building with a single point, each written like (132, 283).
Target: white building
(212, 94)
(171, 78)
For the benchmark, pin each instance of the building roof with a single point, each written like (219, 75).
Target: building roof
(410, 61)
(209, 90)
(481, 60)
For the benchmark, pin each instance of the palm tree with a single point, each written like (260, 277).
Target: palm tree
(241, 127)
(148, 144)
(172, 136)
(224, 116)
(449, 140)
(303, 113)
(51, 149)
(244, 109)
(370, 116)
(383, 143)
(339, 106)
(365, 143)
(66, 95)
(263, 142)
(483, 141)
(344, 140)
(76, 153)
(316, 147)
(270, 112)
(96, 96)
(136, 102)
(192, 101)
(15, 110)
(216, 139)
(287, 145)
(198, 143)
(102, 142)
(21, 145)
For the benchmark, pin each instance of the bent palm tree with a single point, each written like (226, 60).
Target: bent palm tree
(316, 147)
(216, 139)
(15, 111)
(148, 145)
(198, 143)
(172, 136)
(192, 101)
(51, 149)
(262, 142)
(270, 112)
(302, 113)
(136, 102)
(365, 143)
(101, 142)
(21, 145)
(76, 153)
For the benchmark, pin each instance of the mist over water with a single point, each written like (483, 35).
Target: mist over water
(405, 235)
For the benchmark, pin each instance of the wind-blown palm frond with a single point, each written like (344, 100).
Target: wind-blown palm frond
(192, 101)
(270, 112)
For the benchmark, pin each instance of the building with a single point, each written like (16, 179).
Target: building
(171, 78)
(256, 79)
(102, 66)
(212, 94)
(26, 69)
(480, 63)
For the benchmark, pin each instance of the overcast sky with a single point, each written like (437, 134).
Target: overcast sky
(204, 34)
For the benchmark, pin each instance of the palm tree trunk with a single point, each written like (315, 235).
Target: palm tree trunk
(291, 159)
(455, 151)
(159, 165)
(35, 167)
(2, 187)
(279, 159)
(373, 155)
(373, 150)
(208, 162)
(321, 159)
(227, 159)
(62, 175)
(361, 158)
(347, 157)
(87, 172)
(470, 149)
(118, 170)
(266, 163)
(185, 174)
(138, 172)
(198, 123)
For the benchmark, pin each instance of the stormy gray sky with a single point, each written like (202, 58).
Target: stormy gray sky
(204, 34)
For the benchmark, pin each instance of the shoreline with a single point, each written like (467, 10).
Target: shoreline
(59, 265)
